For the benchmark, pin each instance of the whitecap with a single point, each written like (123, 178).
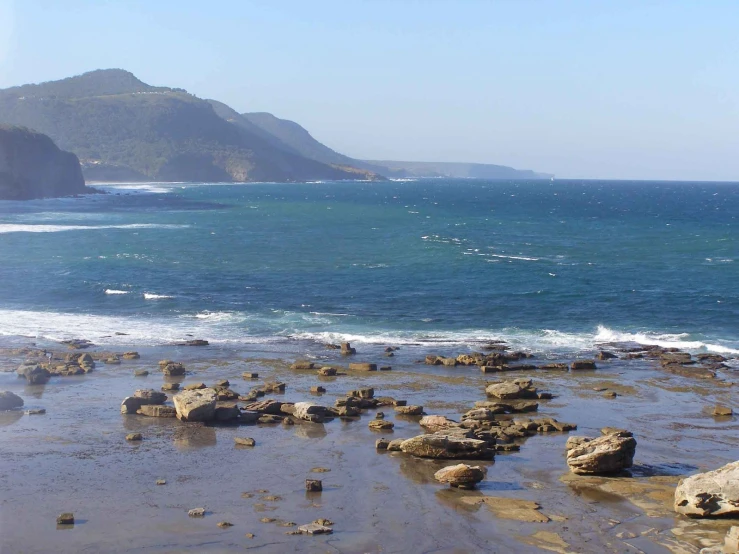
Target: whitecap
(152, 296)
(29, 228)
(114, 291)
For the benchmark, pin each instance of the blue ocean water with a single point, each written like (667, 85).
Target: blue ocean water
(546, 265)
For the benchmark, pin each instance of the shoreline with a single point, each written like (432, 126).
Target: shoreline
(366, 490)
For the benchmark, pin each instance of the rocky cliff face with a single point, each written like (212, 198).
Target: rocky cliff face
(32, 166)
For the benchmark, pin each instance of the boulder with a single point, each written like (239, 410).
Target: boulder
(363, 367)
(447, 447)
(480, 414)
(226, 411)
(394, 445)
(582, 364)
(195, 405)
(140, 372)
(462, 476)
(381, 425)
(150, 396)
(434, 423)
(303, 364)
(366, 392)
(607, 454)
(409, 410)
(194, 386)
(311, 412)
(66, 518)
(130, 356)
(313, 485)
(9, 400)
(710, 494)
(171, 386)
(173, 369)
(327, 372)
(157, 411)
(244, 441)
(130, 405)
(272, 407)
(35, 374)
(134, 437)
(347, 350)
(721, 411)
(518, 388)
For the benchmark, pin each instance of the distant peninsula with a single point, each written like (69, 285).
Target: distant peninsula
(32, 166)
(123, 129)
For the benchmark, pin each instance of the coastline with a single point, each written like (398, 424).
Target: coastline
(375, 499)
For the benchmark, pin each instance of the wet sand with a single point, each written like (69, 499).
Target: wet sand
(75, 459)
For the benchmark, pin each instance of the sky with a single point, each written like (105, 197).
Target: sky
(580, 88)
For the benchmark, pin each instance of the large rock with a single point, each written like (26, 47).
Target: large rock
(35, 374)
(447, 447)
(714, 493)
(436, 423)
(173, 369)
(154, 410)
(9, 400)
(308, 411)
(507, 390)
(462, 476)
(150, 396)
(607, 454)
(360, 366)
(196, 405)
(32, 166)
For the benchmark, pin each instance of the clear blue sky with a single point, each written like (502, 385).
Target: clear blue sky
(611, 89)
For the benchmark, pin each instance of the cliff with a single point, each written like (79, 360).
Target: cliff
(32, 166)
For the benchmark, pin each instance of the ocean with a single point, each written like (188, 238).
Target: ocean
(551, 267)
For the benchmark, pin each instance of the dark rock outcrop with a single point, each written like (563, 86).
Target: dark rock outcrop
(32, 166)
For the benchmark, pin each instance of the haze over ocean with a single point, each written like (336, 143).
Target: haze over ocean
(549, 266)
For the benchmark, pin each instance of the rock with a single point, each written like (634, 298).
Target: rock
(250, 375)
(150, 396)
(386, 368)
(173, 369)
(480, 414)
(394, 445)
(607, 454)
(710, 494)
(36, 411)
(267, 418)
(604, 355)
(518, 388)
(134, 437)
(140, 372)
(436, 423)
(195, 405)
(303, 364)
(409, 410)
(245, 441)
(171, 386)
(362, 367)
(582, 364)
(311, 412)
(274, 387)
(347, 350)
(719, 411)
(447, 447)
(381, 444)
(130, 405)
(193, 342)
(366, 392)
(315, 529)
(327, 372)
(222, 383)
(35, 374)
(66, 518)
(225, 524)
(248, 416)
(313, 485)
(461, 476)
(195, 386)
(226, 411)
(157, 411)
(731, 542)
(554, 367)
(9, 400)
(317, 389)
(380, 415)
(130, 356)
(113, 360)
(161, 482)
(196, 512)
(381, 425)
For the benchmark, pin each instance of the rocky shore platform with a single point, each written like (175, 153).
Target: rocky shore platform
(304, 447)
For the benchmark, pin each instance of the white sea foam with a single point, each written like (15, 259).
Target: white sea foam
(114, 291)
(152, 296)
(28, 228)
(140, 188)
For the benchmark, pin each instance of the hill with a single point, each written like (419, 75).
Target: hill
(120, 127)
(32, 166)
(299, 140)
